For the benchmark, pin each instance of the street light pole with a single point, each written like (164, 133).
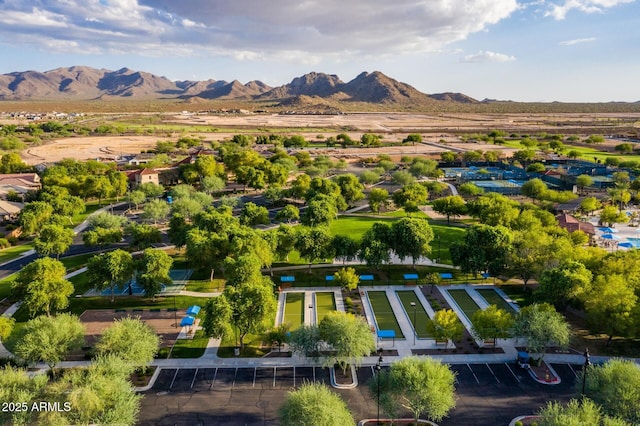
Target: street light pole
(438, 260)
(311, 314)
(413, 304)
(378, 367)
(587, 363)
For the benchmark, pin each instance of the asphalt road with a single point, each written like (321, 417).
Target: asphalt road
(488, 394)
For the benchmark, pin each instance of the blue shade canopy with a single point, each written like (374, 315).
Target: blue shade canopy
(193, 310)
(187, 321)
(607, 230)
(446, 275)
(627, 244)
(609, 237)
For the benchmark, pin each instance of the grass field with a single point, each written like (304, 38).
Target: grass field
(493, 298)
(355, 226)
(80, 283)
(385, 318)
(586, 153)
(5, 286)
(190, 348)
(465, 302)
(294, 310)
(14, 252)
(421, 317)
(325, 303)
(205, 286)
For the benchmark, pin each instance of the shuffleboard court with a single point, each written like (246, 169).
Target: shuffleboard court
(325, 303)
(294, 310)
(493, 298)
(421, 317)
(385, 318)
(465, 302)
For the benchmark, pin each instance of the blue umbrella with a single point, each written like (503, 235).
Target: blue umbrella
(609, 237)
(627, 245)
(193, 310)
(608, 230)
(187, 321)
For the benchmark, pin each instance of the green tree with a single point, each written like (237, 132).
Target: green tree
(349, 336)
(314, 244)
(151, 190)
(445, 326)
(534, 189)
(156, 210)
(483, 249)
(492, 323)
(211, 184)
(378, 197)
(34, 215)
(319, 212)
(411, 237)
(53, 240)
(624, 148)
(450, 206)
(541, 325)
(610, 216)
(424, 386)
(153, 271)
(278, 335)
(252, 215)
(612, 306)
(402, 177)
(306, 341)
(178, 228)
(345, 248)
(350, 188)
(6, 326)
(137, 197)
(131, 340)
(470, 189)
(110, 270)
(50, 339)
(584, 181)
(314, 404)
(559, 286)
(347, 278)
(413, 138)
(575, 413)
(144, 235)
(589, 205)
(42, 286)
(615, 386)
(536, 168)
(252, 306)
(376, 245)
(411, 196)
(217, 318)
(288, 213)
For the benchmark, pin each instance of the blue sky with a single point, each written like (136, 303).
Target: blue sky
(529, 50)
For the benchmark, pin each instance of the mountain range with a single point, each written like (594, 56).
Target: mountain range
(86, 83)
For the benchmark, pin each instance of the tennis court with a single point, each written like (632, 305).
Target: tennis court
(383, 313)
(421, 317)
(294, 310)
(494, 298)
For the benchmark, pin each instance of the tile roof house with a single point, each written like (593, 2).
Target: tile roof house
(22, 183)
(572, 224)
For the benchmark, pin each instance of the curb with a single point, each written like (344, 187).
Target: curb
(152, 381)
(352, 385)
(546, 381)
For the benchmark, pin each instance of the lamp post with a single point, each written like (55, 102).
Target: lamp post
(311, 314)
(587, 363)
(378, 367)
(413, 304)
(438, 260)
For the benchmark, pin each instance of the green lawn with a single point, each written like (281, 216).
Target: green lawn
(493, 298)
(205, 286)
(294, 310)
(76, 262)
(355, 226)
(14, 252)
(80, 283)
(385, 318)
(252, 347)
(517, 293)
(325, 303)
(5, 286)
(586, 153)
(421, 317)
(190, 348)
(465, 302)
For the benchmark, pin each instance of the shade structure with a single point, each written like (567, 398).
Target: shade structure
(627, 244)
(193, 310)
(187, 321)
(609, 237)
(608, 230)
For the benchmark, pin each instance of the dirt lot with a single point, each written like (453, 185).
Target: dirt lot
(96, 321)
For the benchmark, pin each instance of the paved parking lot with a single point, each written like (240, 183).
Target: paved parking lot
(488, 394)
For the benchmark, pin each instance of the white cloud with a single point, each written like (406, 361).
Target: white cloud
(302, 30)
(559, 11)
(488, 56)
(577, 41)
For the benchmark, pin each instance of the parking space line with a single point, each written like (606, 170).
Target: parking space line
(474, 374)
(215, 374)
(233, 384)
(274, 377)
(572, 370)
(255, 371)
(174, 378)
(494, 374)
(512, 373)
(294, 376)
(314, 374)
(194, 379)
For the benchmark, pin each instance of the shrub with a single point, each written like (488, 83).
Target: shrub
(4, 243)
